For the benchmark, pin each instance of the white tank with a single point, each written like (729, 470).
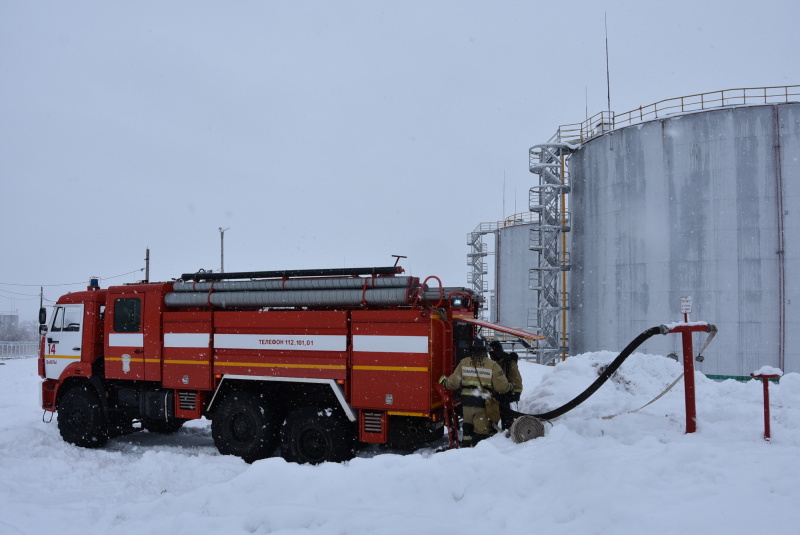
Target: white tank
(703, 204)
(514, 300)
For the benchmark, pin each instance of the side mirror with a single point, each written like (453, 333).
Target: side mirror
(42, 316)
(43, 329)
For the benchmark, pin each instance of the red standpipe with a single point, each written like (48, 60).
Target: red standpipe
(686, 331)
(765, 380)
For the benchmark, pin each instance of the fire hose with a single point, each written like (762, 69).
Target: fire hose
(529, 426)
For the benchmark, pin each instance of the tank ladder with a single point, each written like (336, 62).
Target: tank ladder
(548, 239)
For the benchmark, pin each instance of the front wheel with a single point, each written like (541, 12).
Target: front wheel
(80, 418)
(312, 435)
(244, 426)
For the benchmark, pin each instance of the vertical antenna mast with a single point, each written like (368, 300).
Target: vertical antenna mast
(608, 77)
(504, 193)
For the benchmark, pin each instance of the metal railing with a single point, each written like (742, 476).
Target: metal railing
(492, 226)
(608, 120)
(18, 349)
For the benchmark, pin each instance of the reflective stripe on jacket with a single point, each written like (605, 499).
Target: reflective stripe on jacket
(478, 377)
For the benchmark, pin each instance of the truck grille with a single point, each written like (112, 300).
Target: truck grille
(187, 401)
(373, 422)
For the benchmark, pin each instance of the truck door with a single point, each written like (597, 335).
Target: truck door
(63, 340)
(125, 357)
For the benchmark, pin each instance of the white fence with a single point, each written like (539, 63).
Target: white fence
(10, 350)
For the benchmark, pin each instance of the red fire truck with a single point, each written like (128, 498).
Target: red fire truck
(313, 362)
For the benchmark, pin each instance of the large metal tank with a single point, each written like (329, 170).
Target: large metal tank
(703, 204)
(514, 300)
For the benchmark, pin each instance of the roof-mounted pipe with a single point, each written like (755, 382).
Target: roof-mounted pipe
(332, 272)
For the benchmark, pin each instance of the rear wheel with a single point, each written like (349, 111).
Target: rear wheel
(80, 418)
(312, 435)
(244, 426)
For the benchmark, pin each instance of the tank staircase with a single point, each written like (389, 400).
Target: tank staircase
(548, 238)
(476, 260)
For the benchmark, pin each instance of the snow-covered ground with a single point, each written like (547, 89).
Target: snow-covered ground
(633, 474)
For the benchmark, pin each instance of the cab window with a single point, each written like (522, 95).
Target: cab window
(67, 319)
(127, 315)
(72, 319)
(58, 320)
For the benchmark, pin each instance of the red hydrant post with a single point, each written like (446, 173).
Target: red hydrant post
(765, 374)
(686, 330)
(688, 366)
(688, 382)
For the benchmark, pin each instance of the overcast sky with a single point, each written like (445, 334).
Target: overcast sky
(321, 134)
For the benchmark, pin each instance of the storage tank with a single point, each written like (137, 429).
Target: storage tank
(515, 301)
(703, 204)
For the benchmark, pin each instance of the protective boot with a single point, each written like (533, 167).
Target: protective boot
(477, 437)
(466, 435)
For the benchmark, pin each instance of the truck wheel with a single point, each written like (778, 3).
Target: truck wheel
(80, 418)
(312, 435)
(243, 426)
(164, 427)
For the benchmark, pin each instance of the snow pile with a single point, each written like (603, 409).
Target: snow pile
(768, 370)
(633, 473)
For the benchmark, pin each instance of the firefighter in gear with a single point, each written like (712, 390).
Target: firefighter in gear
(478, 377)
(508, 362)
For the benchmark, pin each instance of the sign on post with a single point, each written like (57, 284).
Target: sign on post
(686, 307)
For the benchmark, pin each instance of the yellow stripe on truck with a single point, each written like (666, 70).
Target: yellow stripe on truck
(391, 368)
